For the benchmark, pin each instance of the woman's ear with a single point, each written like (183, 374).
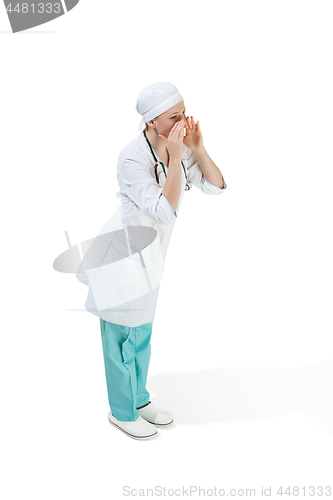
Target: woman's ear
(151, 123)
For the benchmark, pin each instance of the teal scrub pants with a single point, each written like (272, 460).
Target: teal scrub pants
(126, 352)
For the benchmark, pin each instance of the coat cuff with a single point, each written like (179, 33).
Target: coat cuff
(211, 188)
(164, 210)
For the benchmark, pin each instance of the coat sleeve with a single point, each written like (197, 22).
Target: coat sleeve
(196, 176)
(143, 190)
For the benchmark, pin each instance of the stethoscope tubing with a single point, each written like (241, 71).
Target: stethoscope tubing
(157, 162)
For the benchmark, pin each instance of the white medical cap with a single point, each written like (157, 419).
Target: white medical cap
(155, 100)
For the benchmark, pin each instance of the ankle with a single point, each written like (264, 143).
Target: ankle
(144, 405)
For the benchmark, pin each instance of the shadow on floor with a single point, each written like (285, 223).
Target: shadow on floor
(245, 394)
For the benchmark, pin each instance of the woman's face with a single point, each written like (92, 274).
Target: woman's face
(165, 121)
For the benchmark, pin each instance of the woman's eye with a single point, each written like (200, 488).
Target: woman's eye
(173, 117)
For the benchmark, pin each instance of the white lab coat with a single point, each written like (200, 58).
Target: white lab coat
(125, 292)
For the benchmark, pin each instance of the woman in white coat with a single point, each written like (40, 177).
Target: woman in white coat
(154, 171)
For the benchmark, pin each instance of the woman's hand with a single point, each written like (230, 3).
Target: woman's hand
(193, 138)
(174, 142)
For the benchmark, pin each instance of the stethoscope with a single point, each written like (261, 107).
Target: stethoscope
(157, 163)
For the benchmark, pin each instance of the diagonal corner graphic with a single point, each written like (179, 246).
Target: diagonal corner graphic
(25, 15)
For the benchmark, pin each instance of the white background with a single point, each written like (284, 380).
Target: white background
(242, 350)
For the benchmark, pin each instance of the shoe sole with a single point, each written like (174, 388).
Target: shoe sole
(139, 438)
(161, 425)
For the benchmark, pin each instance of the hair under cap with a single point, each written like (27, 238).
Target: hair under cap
(155, 100)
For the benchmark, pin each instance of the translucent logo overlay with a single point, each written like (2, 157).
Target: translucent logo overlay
(25, 15)
(118, 266)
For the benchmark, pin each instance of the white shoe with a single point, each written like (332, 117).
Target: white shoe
(155, 415)
(139, 429)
